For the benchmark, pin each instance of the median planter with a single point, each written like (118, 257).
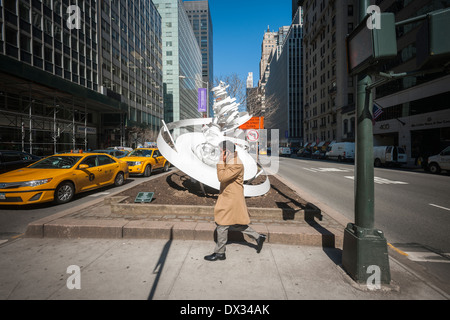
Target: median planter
(125, 208)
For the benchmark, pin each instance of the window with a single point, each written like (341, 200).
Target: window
(90, 161)
(104, 160)
(11, 36)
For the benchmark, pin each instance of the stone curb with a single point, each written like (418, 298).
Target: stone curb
(62, 226)
(66, 228)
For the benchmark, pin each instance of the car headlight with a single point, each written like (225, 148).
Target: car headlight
(137, 163)
(35, 183)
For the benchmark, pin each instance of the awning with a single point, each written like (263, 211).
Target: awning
(321, 143)
(332, 142)
(313, 144)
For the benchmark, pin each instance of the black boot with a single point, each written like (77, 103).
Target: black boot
(260, 242)
(215, 256)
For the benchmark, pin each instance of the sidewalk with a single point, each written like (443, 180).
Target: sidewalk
(160, 257)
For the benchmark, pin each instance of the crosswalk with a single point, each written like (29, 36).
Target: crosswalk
(418, 253)
(377, 180)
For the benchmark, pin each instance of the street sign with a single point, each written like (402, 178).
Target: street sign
(252, 135)
(253, 123)
(366, 47)
(144, 197)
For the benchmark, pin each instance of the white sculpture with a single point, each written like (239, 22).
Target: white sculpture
(197, 153)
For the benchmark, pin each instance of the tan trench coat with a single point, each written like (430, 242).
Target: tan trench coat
(231, 208)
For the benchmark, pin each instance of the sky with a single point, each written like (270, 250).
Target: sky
(238, 29)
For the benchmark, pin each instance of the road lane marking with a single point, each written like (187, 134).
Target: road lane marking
(327, 169)
(427, 257)
(380, 180)
(435, 205)
(397, 249)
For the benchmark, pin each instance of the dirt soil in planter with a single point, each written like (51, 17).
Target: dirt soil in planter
(179, 189)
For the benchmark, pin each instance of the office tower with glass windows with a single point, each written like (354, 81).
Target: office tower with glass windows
(182, 62)
(78, 74)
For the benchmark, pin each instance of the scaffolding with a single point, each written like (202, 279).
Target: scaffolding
(38, 120)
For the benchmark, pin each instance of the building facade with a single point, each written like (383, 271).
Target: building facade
(130, 63)
(416, 110)
(68, 73)
(182, 62)
(283, 89)
(199, 15)
(329, 93)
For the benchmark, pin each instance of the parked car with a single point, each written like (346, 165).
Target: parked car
(341, 151)
(143, 161)
(389, 155)
(112, 152)
(120, 148)
(318, 154)
(285, 151)
(440, 161)
(305, 153)
(59, 177)
(12, 160)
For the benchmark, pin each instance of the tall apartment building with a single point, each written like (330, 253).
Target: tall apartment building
(416, 110)
(182, 62)
(283, 89)
(68, 75)
(329, 93)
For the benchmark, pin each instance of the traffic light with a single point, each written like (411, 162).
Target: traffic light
(433, 40)
(367, 45)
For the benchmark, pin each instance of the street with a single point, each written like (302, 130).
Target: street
(14, 219)
(412, 208)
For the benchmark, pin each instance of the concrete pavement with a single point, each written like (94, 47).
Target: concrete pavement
(160, 257)
(175, 270)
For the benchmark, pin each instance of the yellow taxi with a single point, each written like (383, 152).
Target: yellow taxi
(59, 177)
(143, 161)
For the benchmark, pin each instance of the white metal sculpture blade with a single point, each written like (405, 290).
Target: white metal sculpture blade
(197, 153)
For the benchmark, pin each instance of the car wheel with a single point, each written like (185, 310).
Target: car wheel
(377, 162)
(119, 180)
(64, 192)
(148, 171)
(166, 166)
(434, 168)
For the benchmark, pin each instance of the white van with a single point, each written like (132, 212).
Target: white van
(440, 161)
(389, 155)
(341, 151)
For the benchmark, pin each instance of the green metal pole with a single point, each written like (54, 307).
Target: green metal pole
(364, 247)
(364, 174)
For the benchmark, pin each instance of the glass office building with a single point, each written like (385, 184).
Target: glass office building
(182, 62)
(200, 16)
(78, 74)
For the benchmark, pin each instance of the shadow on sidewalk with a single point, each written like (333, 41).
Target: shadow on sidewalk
(160, 265)
(311, 211)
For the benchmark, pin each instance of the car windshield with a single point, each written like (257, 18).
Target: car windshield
(56, 162)
(140, 153)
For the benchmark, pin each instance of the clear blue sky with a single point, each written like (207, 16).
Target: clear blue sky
(239, 27)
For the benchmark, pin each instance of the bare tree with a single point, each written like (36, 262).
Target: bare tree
(236, 89)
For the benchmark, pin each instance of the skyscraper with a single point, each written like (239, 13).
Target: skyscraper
(68, 74)
(200, 16)
(284, 84)
(182, 62)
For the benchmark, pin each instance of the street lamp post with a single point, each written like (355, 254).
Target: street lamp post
(207, 92)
